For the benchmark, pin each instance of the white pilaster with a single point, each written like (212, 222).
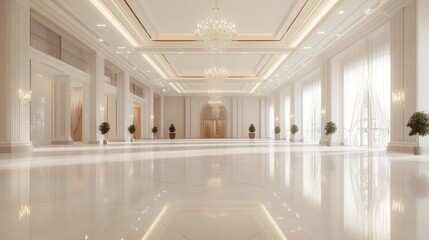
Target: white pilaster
(423, 60)
(161, 113)
(325, 114)
(124, 101)
(188, 117)
(404, 62)
(264, 123)
(149, 115)
(96, 63)
(14, 66)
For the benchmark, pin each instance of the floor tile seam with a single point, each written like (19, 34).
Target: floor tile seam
(175, 230)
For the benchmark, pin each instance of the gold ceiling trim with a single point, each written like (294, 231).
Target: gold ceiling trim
(265, 66)
(138, 19)
(193, 40)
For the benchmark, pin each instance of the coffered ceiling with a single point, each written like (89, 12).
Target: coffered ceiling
(276, 38)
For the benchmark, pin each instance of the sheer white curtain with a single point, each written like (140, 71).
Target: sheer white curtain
(379, 85)
(311, 107)
(355, 82)
(366, 81)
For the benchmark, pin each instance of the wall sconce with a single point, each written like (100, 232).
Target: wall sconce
(398, 97)
(24, 96)
(102, 108)
(290, 115)
(277, 119)
(323, 111)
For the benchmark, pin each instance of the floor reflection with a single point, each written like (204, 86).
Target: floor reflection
(220, 189)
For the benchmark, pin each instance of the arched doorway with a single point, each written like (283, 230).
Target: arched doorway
(214, 122)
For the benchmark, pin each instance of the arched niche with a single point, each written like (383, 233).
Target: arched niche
(213, 122)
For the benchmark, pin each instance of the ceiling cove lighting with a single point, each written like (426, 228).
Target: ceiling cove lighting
(215, 33)
(115, 22)
(255, 87)
(312, 22)
(274, 67)
(152, 63)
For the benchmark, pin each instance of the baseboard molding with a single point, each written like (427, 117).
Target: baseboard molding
(16, 147)
(94, 142)
(406, 147)
(62, 142)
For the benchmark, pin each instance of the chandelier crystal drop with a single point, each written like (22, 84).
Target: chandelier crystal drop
(215, 33)
(216, 73)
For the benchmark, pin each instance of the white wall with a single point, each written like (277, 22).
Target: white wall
(240, 113)
(41, 133)
(174, 112)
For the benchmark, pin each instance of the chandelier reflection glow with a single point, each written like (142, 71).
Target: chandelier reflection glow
(215, 101)
(215, 73)
(215, 33)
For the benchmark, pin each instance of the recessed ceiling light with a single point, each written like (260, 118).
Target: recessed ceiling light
(39, 75)
(163, 90)
(320, 33)
(121, 47)
(339, 34)
(180, 53)
(307, 47)
(148, 71)
(341, 12)
(100, 40)
(101, 25)
(368, 11)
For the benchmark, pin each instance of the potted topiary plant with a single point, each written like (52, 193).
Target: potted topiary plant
(330, 128)
(277, 131)
(419, 124)
(293, 129)
(154, 131)
(132, 130)
(172, 130)
(252, 130)
(104, 128)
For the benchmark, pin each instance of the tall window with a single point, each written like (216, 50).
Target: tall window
(366, 71)
(311, 108)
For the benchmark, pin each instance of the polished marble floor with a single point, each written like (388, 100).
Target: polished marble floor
(213, 189)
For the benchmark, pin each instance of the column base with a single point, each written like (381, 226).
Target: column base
(330, 143)
(94, 142)
(62, 142)
(119, 140)
(406, 147)
(16, 147)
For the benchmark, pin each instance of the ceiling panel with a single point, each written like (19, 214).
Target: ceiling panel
(256, 17)
(237, 65)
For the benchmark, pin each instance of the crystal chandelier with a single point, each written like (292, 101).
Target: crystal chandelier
(215, 33)
(215, 73)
